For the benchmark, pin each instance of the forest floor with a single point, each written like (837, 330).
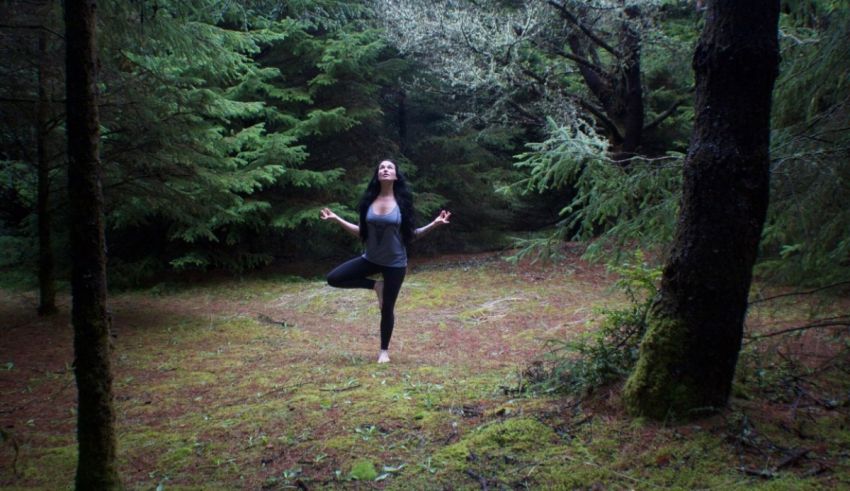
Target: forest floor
(270, 382)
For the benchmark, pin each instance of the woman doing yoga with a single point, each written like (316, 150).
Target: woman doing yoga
(386, 227)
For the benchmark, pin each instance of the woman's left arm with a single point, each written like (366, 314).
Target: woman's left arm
(442, 219)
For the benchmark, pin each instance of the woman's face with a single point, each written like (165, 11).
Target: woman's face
(386, 171)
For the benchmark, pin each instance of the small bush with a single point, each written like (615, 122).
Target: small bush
(607, 354)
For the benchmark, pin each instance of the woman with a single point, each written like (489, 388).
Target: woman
(386, 209)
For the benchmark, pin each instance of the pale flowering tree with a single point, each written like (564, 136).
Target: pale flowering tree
(480, 49)
(529, 60)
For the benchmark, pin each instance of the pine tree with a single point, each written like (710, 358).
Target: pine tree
(96, 465)
(689, 352)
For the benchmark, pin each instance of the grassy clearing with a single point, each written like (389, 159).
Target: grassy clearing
(271, 384)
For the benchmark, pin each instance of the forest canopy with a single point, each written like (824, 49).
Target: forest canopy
(226, 126)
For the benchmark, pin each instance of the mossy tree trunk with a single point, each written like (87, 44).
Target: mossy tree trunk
(688, 356)
(95, 416)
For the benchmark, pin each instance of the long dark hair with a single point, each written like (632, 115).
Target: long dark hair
(403, 196)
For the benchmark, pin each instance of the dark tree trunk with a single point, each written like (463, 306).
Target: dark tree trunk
(688, 356)
(618, 91)
(96, 416)
(46, 285)
(630, 89)
(402, 120)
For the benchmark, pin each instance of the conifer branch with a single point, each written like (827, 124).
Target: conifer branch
(601, 117)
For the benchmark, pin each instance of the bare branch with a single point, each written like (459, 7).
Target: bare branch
(572, 19)
(578, 59)
(666, 114)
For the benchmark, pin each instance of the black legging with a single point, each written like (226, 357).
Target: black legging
(353, 274)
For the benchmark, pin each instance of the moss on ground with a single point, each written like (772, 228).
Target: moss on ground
(264, 383)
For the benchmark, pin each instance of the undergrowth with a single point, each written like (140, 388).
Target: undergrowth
(608, 353)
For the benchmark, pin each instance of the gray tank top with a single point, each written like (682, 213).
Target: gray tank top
(385, 246)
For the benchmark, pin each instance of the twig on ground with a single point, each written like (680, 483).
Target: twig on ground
(762, 473)
(481, 480)
(791, 458)
(341, 389)
(808, 292)
(814, 325)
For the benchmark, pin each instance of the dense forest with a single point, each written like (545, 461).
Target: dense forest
(227, 126)
(694, 148)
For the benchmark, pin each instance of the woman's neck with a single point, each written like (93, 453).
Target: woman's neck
(386, 189)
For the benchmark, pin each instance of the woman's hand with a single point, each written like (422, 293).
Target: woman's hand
(443, 219)
(327, 214)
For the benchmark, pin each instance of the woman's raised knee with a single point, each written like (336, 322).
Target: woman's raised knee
(332, 279)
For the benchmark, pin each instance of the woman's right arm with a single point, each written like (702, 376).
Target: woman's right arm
(349, 227)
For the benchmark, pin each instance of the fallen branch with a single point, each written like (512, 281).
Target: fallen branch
(481, 480)
(762, 473)
(264, 394)
(791, 458)
(808, 292)
(815, 325)
(268, 320)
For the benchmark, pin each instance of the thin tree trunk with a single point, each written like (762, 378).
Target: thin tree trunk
(46, 285)
(688, 356)
(96, 416)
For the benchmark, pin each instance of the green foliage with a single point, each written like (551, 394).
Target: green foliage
(807, 233)
(635, 202)
(457, 170)
(215, 142)
(363, 470)
(610, 352)
(200, 140)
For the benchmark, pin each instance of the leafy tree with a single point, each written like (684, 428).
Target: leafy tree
(688, 355)
(570, 61)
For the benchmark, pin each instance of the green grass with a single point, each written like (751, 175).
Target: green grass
(262, 383)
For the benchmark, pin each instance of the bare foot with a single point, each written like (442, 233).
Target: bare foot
(379, 289)
(384, 356)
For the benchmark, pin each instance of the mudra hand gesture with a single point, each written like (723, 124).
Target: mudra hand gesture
(443, 219)
(327, 214)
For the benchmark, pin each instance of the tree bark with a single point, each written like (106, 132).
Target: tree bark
(46, 284)
(96, 467)
(620, 90)
(688, 356)
(631, 88)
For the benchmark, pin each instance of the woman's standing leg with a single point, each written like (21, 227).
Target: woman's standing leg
(393, 278)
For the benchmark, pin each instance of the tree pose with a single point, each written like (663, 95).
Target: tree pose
(386, 208)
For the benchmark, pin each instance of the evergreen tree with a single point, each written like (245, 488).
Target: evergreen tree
(807, 233)
(689, 352)
(96, 464)
(29, 115)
